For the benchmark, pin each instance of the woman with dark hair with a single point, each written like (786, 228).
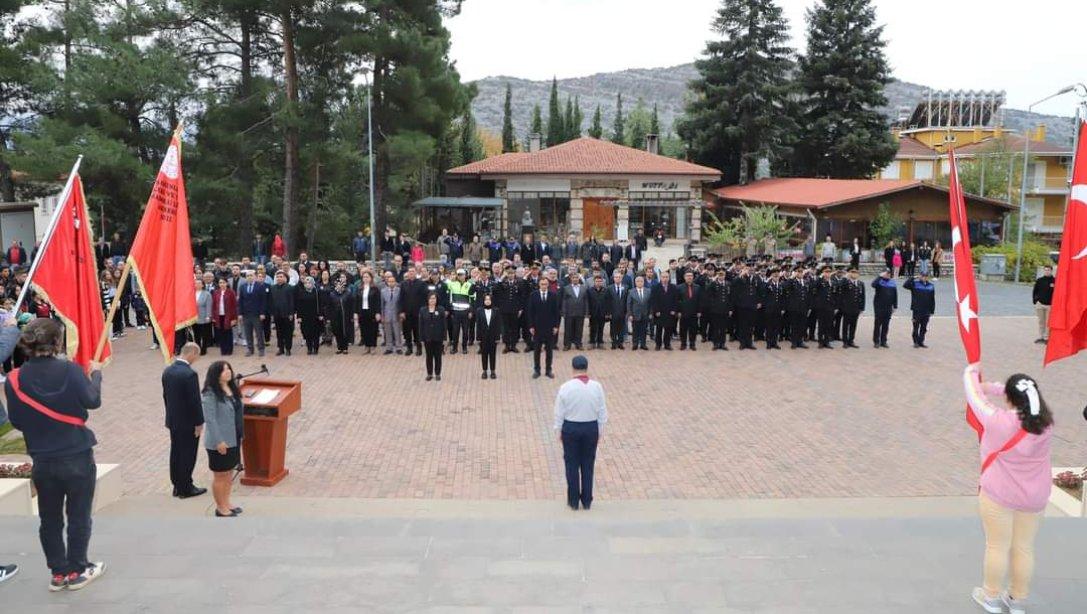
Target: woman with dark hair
(432, 333)
(48, 399)
(224, 316)
(222, 404)
(369, 306)
(341, 304)
(108, 288)
(323, 280)
(202, 328)
(1015, 482)
(310, 314)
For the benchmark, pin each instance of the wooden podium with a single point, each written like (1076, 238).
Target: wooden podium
(267, 405)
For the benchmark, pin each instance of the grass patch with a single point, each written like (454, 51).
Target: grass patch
(14, 445)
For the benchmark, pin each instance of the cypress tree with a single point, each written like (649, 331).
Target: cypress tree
(842, 78)
(738, 109)
(555, 130)
(509, 142)
(568, 121)
(470, 148)
(575, 131)
(596, 130)
(655, 123)
(618, 134)
(537, 121)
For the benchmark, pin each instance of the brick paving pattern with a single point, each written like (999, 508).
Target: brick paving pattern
(804, 423)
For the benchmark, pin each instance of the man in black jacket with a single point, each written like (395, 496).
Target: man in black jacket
(922, 304)
(851, 304)
(797, 299)
(884, 303)
(509, 298)
(281, 303)
(1042, 297)
(599, 309)
(772, 297)
(184, 419)
(689, 300)
(824, 302)
(663, 302)
(617, 310)
(542, 312)
(745, 299)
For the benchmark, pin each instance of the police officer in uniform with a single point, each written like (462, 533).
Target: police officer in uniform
(509, 297)
(717, 305)
(772, 297)
(797, 299)
(884, 303)
(745, 298)
(824, 302)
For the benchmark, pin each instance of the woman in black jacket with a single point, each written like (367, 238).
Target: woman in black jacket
(310, 315)
(368, 302)
(323, 282)
(342, 314)
(432, 333)
(488, 333)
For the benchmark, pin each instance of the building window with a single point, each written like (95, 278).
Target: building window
(922, 169)
(891, 172)
(549, 215)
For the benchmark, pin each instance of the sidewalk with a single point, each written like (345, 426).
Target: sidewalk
(536, 556)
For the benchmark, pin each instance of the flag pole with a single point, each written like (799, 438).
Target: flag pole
(64, 194)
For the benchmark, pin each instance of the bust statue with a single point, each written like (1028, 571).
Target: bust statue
(526, 218)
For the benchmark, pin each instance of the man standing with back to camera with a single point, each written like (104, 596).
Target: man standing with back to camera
(580, 414)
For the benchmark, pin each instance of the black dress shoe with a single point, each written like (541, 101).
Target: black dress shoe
(236, 510)
(535, 375)
(195, 492)
(232, 514)
(484, 375)
(493, 376)
(176, 493)
(550, 375)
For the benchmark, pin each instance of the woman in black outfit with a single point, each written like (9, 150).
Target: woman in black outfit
(342, 314)
(368, 303)
(222, 404)
(324, 290)
(310, 315)
(488, 332)
(432, 333)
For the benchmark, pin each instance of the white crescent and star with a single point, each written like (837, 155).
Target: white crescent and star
(1079, 197)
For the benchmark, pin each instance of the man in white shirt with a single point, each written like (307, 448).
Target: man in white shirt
(580, 414)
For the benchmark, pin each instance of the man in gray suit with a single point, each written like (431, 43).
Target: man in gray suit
(638, 312)
(390, 315)
(575, 306)
(617, 301)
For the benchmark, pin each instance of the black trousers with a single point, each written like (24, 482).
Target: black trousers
(543, 341)
(618, 331)
(920, 328)
(487, 354)
(579, 441)
(641, 328)
(284, 332)
(836, 332)
(813, 320)
(224, 335)
(572, 329)
(849, 326)
(433, 357)
(826, 324)
(410, 330)
(511, 325)
(596, 329)
(460, 329)
(65, 487)
(665, 323)
(688, 330)
(718, 328)
(205, 336)
(879, 331)
(183, 447)
(772, 320)
(745, 323)
(798, 323)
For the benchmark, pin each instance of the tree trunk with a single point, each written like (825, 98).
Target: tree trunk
(291, 136)
(381, 166)
(245, 162)
(7, 182)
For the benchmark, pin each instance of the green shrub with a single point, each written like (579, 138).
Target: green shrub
(1035, 254)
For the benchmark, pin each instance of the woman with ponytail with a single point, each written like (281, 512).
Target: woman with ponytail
(1015, 482)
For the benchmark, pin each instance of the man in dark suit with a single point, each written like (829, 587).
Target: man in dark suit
(663, 303)
(575, 306)
(689, 303)
(253, 309)
(542, 314)
(617, 303)
(184, 419)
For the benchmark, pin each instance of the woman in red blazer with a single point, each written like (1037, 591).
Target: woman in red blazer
(224, 315)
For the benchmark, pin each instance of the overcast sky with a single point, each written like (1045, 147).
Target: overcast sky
(1030, 48)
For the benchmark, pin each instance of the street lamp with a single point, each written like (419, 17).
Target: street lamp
(370, 160)
(1023, 183)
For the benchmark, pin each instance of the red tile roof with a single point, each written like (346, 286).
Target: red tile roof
(811, 193)
(912, 148)
(585, 156)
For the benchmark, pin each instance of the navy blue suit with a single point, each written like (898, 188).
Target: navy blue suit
(543, 317)
(252, 304)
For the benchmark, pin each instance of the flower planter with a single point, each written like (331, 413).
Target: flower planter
(17, 498)
(1065, 502)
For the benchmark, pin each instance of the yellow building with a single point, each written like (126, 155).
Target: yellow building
(968, 120)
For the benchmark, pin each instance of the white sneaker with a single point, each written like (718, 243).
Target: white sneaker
(1015, 606)
(90, 574)
(154, 346)
(992, 605)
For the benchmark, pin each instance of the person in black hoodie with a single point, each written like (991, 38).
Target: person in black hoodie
(1042, 297)
(281, 304)
(61, 447)
(884, 302)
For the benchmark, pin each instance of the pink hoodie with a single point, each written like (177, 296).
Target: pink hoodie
(1020, 478)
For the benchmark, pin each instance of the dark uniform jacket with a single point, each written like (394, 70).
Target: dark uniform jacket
(717, 299)
(885, 296)
(772, 296)
(509, 296)
(851, 296)
(823, 295)
(745, 292)
(797, 296)
(922, 297)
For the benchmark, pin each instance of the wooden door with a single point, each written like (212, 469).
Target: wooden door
(598, 216)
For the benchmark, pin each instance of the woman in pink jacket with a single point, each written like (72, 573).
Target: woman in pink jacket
(1015, 482)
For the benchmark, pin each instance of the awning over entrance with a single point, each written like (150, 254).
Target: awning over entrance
(465, 202)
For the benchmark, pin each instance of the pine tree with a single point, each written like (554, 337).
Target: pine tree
(509, 142)
(842, 77)
(469, 148)
(555, 129)
(738, 111)
(655, 123)
(596, 130)
(575, 131)
(618, 133)
(568, 121)
(637, 125)
(537, 121)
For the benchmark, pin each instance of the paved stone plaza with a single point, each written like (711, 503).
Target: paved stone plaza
(702, 425)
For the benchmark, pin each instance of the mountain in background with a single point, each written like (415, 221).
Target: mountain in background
(667, 88)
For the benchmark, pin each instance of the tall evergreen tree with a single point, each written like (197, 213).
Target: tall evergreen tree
(579, 119)
(637, 125)
(738, 111)
(842, 77)
(537, 122)
(509, 142)
(596, 130)
(618, 132)
(655, 122)
(569, 130)
(555, 129)
(469, 147)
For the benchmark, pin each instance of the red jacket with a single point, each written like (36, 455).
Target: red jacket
(230, 305)
(278, 247)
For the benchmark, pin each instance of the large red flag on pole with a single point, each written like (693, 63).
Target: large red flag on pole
(66, 275)
(966, 291)
(161, 254)
(1068, 314)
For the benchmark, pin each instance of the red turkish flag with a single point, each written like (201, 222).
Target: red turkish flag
(1068, 315)
(966, 290)
(67, 278)
(161, 255)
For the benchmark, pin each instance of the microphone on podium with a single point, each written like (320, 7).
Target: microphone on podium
(263, 371)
